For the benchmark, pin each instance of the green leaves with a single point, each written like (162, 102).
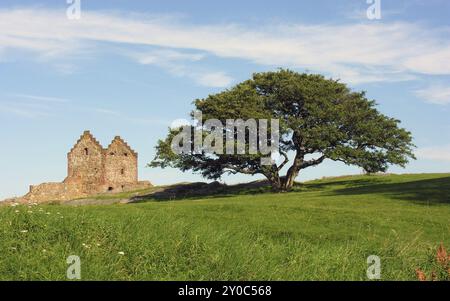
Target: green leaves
(317, 116)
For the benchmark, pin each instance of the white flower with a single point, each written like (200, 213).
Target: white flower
(29, 211)
(17, 211)
(48, 213)
(24, 231)
(121, 253)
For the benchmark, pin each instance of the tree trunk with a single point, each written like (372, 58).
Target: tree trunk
(289, 180)
(283, 184)
(275, 181)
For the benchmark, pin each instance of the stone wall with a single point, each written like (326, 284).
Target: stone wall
(86, 164)
(120, 165)
(54, 192)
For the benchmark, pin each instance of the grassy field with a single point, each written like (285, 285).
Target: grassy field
(324, 230)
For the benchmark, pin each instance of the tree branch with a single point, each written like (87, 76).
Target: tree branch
(286, 160)
(234, 170)
(312, 162)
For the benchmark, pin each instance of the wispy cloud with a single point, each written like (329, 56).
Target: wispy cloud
(29, 106)
(127, 118)
(437, 94)
(174, 62)
(214, 79)
(360, 52)
(435, 153)
(106, 111)
(39, 98)
(166, 56)
(21, 111)
(37, 107)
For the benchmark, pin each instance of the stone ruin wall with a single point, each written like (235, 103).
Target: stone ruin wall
(85, 166)
(54, 192)
(120, 165)
(93, 170)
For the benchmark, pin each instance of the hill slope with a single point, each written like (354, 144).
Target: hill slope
(323, 230)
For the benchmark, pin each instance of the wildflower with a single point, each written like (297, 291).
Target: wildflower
(17, 211)
(421, 275)
(48, 213)
(29, 211)
(121, 253)
(23, 231)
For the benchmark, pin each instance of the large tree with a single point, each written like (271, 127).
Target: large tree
(319, 119)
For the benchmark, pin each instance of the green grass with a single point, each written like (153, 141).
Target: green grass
(324, 230)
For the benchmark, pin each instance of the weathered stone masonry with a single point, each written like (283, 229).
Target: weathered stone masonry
(91, 170)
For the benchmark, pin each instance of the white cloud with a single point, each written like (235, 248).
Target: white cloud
(174, 62)
(216, 79)
(437, 94)
(165, 56)
(354, 52)
(432, 62)
(435, 153)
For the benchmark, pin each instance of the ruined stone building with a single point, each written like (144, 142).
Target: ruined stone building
(91, 170)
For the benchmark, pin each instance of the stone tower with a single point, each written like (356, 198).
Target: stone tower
(91, 169)
(120, 165)
(96, 169)
(85, 164)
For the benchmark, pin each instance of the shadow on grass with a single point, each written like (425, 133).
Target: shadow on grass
(200, 190)
(186, 191)
(348, 183)
(425, 192)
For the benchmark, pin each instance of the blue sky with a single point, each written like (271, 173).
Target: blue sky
(130, 68)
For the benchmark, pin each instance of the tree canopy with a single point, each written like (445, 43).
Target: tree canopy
(319, 119)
